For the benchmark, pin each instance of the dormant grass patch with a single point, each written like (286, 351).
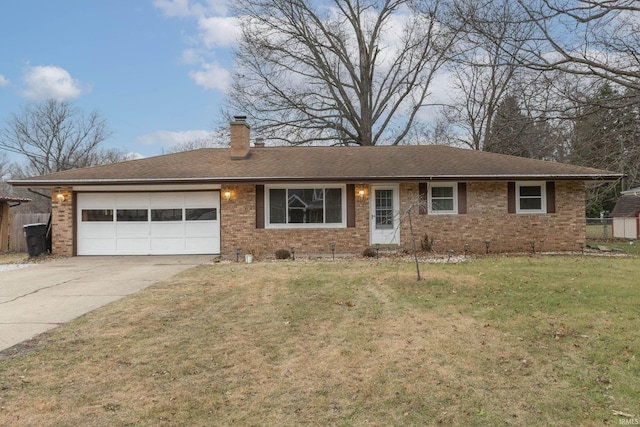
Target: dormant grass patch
(13, 258)
(499, 341)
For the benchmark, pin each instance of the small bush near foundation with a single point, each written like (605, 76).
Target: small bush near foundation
(282, 254)
(369, 252)
(426, 243)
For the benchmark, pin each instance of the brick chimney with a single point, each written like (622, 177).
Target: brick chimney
(240, 134)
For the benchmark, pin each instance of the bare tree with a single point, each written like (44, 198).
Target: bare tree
(341, 71)
(5, 166)
(599, 39)
(54, 136)
(492, 34)
(217, 139)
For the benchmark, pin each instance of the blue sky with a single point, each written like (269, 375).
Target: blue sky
(156, 70)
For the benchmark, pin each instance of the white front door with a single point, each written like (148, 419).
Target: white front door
(385, 218)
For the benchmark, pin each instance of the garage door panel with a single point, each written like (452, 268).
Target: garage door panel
(97, 246)
(165, 246)
(202, 199)
(166, 200)
(132, 246)
(201, 245)
(98, 201)
(202, 229)
(132, 230)
(98, 230)
(165, 234)
(163, 230)
(132, 200)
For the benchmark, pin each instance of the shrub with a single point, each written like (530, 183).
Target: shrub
(369, 252)
(282, 254)
(426, 243)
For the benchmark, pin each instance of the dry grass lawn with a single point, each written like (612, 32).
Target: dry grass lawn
(13, 258)
(529, 341)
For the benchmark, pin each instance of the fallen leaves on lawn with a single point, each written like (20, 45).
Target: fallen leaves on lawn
(347, 303)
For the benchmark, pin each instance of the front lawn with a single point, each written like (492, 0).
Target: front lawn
(524, 341)
(13, 258)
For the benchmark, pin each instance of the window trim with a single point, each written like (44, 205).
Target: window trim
(311, 185)
(454, 186)
(543, 197)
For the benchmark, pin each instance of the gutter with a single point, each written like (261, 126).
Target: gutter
(254, 179)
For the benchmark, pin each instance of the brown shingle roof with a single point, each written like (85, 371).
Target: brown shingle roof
(385, 163)
(627, 205)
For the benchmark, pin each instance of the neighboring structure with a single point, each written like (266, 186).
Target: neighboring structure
(259, 200)
(5, 203)
(626, 215)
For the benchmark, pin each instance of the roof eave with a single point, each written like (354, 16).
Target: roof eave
(378, 178)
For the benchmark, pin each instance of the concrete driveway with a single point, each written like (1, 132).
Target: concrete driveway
(40, 297)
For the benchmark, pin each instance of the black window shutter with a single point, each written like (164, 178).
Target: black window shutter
(462, 197)
(259, 206)
(511, 197)
(423, 191)
(351, 205)
(551, 197)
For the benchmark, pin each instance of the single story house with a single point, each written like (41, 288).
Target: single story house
(260, 199)
(626, 215)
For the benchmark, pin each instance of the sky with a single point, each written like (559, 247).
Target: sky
(155, 70)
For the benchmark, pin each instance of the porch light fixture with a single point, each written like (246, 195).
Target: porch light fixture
(60, 196)
(361, 193)
(227, 194)
(332, 247)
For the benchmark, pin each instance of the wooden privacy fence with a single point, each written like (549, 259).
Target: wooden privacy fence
(17, 240)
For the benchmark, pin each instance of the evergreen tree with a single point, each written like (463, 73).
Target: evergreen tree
(606, 136)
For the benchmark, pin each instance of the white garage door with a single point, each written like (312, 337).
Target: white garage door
(149, 223)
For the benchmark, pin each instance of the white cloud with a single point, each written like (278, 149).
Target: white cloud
(3, 81)
(188, 8)
(171, 139)
(174, 8)
(218, 31)
(50, 82)
(212, 77)
(191, 56)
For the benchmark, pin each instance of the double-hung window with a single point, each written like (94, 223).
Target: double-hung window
(530, 197)
(305, 206)
(443, 198)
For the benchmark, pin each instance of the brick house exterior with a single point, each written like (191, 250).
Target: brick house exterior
(307, 197)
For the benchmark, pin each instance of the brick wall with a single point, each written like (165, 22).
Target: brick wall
(486, 220)
(238, 230)
(62, 222)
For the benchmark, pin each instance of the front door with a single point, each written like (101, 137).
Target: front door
(385, 224)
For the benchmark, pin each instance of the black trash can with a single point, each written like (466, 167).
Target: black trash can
(36, 238)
